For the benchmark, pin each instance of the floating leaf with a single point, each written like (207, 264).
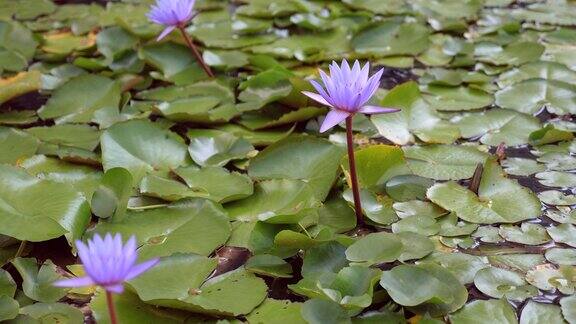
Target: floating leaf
(481, 311)
(306, 158)
(444, 162)
(498, 283)
(441, 294)
(141, 146)
(216, 148)
(499, 200)
(38, 283)
(83, 99)
(169, 229)
(27, 213)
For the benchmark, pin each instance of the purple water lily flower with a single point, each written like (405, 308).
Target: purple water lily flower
(171, 13)
(108, 263)
(346, 91)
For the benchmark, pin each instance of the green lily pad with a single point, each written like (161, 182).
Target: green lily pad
(417, 118)
(498, 126)
(390, 247)
(9, 308)
(516, 53)
(306, 158)
(174, 62)
(376, 164)
(169, 229)
(141, 146)
(57, 312)
(174, 277)
(19, 84)
(111, 198)
(441, 294)
(131, 310)
(277, 312)
(38, 282)
(557, 179)
(444, 162)
(463, 266)
(77, 136)
(83, 99)
(557, 198)
(527, 233)
(561, 256)
(269, 265)
(275, 201)
(499, 200)
(549, 278)
(216, 183)
(563, 233)
(456, 98)
(534, 313)
(522, 167)
(567, 304)
(481, 311)
(391, 37)
(29, 214)
(534, 94)
(16, 145)
(216, 148)
(498, 283)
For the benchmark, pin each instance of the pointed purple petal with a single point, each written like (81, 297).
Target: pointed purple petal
(333, 118)
(377, 110)
(165, 32)
(117, 289)
(74, 282)
(141, 268)
(316, 97)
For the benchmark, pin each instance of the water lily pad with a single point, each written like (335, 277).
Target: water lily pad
(390, 247)
(516, 53)
(444, 162)
(481, 311)
(534, 94)
(169, 229)
(70, 135)
(534, 313)
(567, 304)
(563, 233)
(499, 200)
(527, 233)
(174, 61)
(216, 148)
(557, 179)
(561, 256)
(463, 266)
(441, 294)
(277, 312)
(83, 99)
(216, 183)
(498, 126)
(376, 164)
(19, 84)
(417, 118)
(29, 214)
(304, 158)
(557, 198)
(141, 146)
(549, 278)
(522, 166)
(54, 311)
(456, 98)
(391, 37)
(16, 145)
(275, 201)
(38, 282)
(498, 283)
